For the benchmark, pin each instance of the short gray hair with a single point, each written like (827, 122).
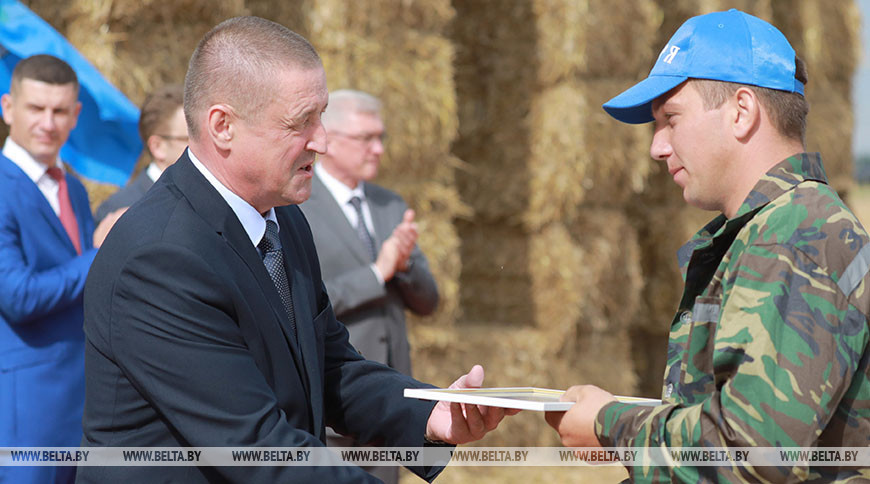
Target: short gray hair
(235, 64)
(348, 101)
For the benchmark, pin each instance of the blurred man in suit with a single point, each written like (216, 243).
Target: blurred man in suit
(366, 240)
(47, 243)
(164, 132)
(206, 319)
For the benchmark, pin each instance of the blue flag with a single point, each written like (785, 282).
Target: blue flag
(105, 144)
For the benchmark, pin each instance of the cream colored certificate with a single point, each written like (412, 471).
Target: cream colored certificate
(525, 398)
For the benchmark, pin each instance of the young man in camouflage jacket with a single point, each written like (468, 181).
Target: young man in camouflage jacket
(769, 346)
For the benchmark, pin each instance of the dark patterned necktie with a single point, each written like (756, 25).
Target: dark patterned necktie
(273, 258)
(361, 231)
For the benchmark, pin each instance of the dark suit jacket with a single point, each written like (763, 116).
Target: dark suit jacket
(126, 196)
(374, 314)
(187, 344)
(41, 339)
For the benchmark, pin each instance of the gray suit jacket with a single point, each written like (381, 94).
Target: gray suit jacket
(126, 196)
(374, 314)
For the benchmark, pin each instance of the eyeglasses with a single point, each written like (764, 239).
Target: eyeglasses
(364, 138)
(168, 137)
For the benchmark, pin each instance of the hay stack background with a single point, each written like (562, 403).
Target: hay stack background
(550, 180)
(551, 233)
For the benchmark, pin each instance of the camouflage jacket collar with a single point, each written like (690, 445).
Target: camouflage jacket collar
(783, 177)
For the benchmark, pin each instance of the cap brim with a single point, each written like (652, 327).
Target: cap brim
(634, 105)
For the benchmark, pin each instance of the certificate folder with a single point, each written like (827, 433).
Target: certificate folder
(525, 398)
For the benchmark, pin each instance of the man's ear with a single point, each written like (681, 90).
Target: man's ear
(157, 147)
(222, 125)
(76, 111)
(6, 103)
(747, 113)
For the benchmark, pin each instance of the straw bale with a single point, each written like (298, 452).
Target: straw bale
(760, 8)
(831, 42)
(495, 282)
(618, 154)
(565, 279)
(498, 194)
(564, 276)
(112, 33)
(436, 206)
(496, 76)
(610, 269)
(819, 28)
(788, 17)
(558, 161)
(829, 131)
(593, 39)
(673, 14)
(375, 17)
(294, 14)
(546, 177)
(534, 157)
(586, 277)
(567, 161)
(97, 192)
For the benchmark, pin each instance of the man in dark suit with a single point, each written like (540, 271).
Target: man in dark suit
(47, 244)
(373, 271)
(206, 319)
(164, 132)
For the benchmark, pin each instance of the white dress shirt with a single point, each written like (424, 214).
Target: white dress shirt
(154, 172)
(36, 171)
(252, 221)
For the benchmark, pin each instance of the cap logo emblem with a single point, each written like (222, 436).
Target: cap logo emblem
(670, 57)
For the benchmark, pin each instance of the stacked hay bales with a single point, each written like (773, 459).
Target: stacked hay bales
(828, 39)
(551, 279)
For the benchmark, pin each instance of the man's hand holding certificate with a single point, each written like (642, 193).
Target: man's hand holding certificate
(460, 423)
(576, 426)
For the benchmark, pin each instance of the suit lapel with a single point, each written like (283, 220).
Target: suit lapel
(30, 193)
(336, 220)
(379, 215)
(208, 203)
(304, 314)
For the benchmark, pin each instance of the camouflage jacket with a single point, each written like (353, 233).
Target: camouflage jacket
(770, 345)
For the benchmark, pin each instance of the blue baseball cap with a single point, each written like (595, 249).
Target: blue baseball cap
(730, 46)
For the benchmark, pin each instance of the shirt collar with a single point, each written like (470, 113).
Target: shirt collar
(252, 221)
(153, 171)
(783, 177)
(32, 168)
(341, 192)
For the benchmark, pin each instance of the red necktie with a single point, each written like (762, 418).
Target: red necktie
(67, 216)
